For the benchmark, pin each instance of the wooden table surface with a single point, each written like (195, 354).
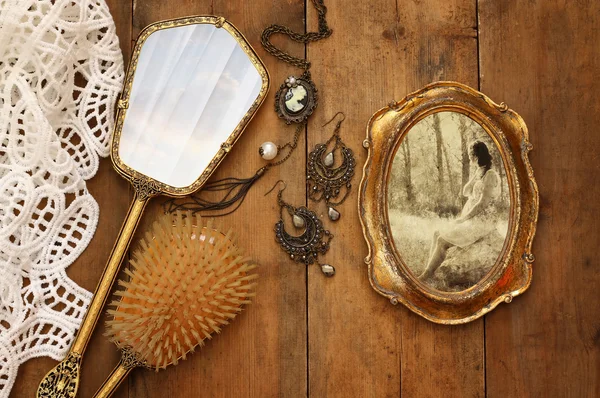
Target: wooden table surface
(308, 335)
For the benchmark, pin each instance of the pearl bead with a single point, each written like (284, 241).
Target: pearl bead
(290, 81)
(268, 150)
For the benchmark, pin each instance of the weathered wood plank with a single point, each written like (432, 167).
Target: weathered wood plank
(442, 360)
(361, 345)
(542, 58)
(543, 344)
(112, 194)
(263, 352)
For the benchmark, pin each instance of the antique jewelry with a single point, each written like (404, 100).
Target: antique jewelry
(314, 239)
(268, 150)
(296, 99)
(294, 102)
(233, 190)
(325, 180)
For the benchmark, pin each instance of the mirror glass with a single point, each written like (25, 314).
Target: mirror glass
(192, 86)
(448, 201)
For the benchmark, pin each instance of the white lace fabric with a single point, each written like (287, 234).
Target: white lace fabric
(61, 70)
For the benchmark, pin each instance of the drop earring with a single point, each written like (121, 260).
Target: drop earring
(313, 239)
(325, 180)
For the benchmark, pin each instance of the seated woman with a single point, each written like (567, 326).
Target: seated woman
(478, 216)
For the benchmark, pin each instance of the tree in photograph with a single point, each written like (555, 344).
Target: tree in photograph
(410, 196)
(438, 145)
(453, 186)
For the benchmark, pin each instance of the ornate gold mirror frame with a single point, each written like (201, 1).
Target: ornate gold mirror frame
(389, 273)
(146, 185)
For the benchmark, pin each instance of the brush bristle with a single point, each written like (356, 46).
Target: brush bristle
(185, 283)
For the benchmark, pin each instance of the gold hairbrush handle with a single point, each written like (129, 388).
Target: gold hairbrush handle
(129, 360)
(63, 380)
(113, 381)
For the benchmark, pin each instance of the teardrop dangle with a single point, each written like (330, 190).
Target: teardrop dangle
(328, 270)
(333, 214)
(328, 160)
(298, 221)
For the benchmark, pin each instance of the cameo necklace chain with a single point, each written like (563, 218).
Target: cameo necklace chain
(295, 101)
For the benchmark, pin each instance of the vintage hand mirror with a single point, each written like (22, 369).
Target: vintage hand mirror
(192, 86)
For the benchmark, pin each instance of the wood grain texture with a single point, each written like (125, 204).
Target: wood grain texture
(263, 352)
(309, 335)
(441, 360)
(380, 52)
(542, 58)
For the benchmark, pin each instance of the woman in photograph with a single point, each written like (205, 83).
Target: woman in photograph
(478, 216)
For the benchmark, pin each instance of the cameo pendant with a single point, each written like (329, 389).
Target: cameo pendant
(296, 99)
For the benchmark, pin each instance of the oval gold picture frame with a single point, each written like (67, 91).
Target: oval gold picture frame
(389, 274)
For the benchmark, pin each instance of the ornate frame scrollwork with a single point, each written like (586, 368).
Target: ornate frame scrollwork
(388, 273)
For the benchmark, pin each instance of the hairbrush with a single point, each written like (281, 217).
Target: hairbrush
(185, 282)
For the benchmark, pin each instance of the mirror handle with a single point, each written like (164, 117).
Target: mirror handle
(63, 380)
(110, 273)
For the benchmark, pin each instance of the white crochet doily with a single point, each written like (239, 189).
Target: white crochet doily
(61, 70)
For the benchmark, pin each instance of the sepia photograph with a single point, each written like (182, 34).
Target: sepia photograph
(448, 201)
